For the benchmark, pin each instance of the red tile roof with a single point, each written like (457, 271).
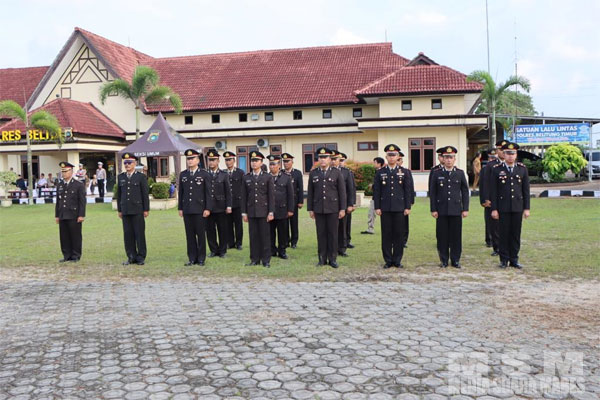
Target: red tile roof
(420, 79)
(18, 83)
(84, 118)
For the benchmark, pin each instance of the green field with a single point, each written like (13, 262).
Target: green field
(561, 239)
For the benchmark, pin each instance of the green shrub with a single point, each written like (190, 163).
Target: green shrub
(151, 183)
(7, 181)
(535, 168)
(560, 158)
(160, 190)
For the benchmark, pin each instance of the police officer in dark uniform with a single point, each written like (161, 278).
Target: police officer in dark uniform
(297, 182)
(391, 192)
(510, 197)
(411, 181)
(491, 225)
(194, 206)
(258, 208)
(69, 213)
(439, 165)
(133, 205)
(220, 193)
(284, 207)
(326, 204)
(235, 229)
(351, 201)
(449, 204)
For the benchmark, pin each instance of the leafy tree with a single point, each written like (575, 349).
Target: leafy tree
(560, 158)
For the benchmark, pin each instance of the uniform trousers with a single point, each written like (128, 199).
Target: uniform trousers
(392, 236)
(134, 236)
(195, 236)
(510, 236)
(260, 240)
(327, 236)
(448, 232)
(217, 222)
(280, 233)
(70, 238)
(235, 232)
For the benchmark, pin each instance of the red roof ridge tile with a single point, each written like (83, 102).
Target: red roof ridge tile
(88, 33)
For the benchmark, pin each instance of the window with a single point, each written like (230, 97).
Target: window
(367, 146)
(422, 153)
(436, 104)
(406, 105)
(242, 156)
(216, 118)
(243, 117)
(275, 149)
(189, 119)
(158, 167)
(326, 114)
(269, 116)
(298, 115)
(357, 112)
(254, 117)
(308, 154)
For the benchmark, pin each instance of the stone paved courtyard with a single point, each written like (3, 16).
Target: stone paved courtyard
(380, 340)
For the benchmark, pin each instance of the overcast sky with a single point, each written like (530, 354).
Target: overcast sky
(558, 42)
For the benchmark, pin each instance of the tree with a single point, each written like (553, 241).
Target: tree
(144, 89)
(492, 92)
(560, 158)
(42, 120)
(510, 102)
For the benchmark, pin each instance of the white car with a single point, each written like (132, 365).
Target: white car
(592, 157)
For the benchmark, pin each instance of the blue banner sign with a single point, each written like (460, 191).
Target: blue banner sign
(552, 134)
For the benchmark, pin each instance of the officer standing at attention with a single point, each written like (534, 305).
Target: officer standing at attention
(194, 206)
(220, 193)
(258, 207)
(352, 197)
(297, 182)
(69, 213)
(350, 200)
(411, 182)
(235, 229)
(491, 225)
(133, 204)
(326, 204)
(510, 196)
(391, 192)
(284, 207)
(439, 165)
(449, 204)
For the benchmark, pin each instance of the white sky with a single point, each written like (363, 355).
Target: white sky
(558, 42)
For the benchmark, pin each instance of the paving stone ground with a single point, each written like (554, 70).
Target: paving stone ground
(274, 340)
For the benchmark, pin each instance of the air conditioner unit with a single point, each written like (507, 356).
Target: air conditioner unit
(262, 142)
(220, 144)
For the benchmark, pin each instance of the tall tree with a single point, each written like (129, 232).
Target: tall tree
(144, 89)
(42, 120)
(492, 93)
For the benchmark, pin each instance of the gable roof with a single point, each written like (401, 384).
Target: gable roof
(19, 83)
(84, 118)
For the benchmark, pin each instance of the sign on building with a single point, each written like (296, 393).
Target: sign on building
(552, 134)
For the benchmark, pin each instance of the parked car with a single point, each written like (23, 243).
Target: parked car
(592, 157)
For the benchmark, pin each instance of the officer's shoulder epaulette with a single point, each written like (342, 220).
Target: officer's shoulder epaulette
(520, 164)
(497, 165)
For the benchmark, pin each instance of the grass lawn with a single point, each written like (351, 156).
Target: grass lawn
(561, 239)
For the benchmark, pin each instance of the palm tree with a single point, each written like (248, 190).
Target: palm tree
(42, 120)
(144, 88)
(492, 92)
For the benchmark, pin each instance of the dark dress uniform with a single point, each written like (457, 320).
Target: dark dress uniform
(70, 205)
(343, 228)
(235, 229)
(409, 177)
(220, 193)
(492, 233)
(258, 201)
(194, 199)
(392, 195)
(284, 203)
(449, 197)
(132, 202)
(298, 184)
(510, 196)
(326, 198)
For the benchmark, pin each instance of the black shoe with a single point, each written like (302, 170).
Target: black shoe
(189, 263)
(342, 253)
(251, 264)
(231, 246)
(222, 255)
(140, 262)
(333, 264)
(200, 263)
(367, 233)
(494, 253)
(444, 265)
(350, 246)
(503, 265)
(63, 260)
(239, 247)
(516, 265)
(283, 256)
(266, 265)
(456, 265)
(387, 265)
(76, 259)
(399, 265)
(128, 262)
(211, 254)
(488, 245)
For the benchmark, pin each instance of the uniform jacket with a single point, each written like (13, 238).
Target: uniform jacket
(449, 192)
(258, 195)
(431, 171)
(70, 200)
(326, 191)
(194, 192)
(412, 184)
(235, 181)
(284, 195)
(298, 184)
(132, 196)
(484, 180)
(350, 186)
(392, 189)
(509, 192)
(220, 191)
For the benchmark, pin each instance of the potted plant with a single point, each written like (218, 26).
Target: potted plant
(7, 180)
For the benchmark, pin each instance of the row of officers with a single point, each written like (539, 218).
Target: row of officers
(214, 202)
